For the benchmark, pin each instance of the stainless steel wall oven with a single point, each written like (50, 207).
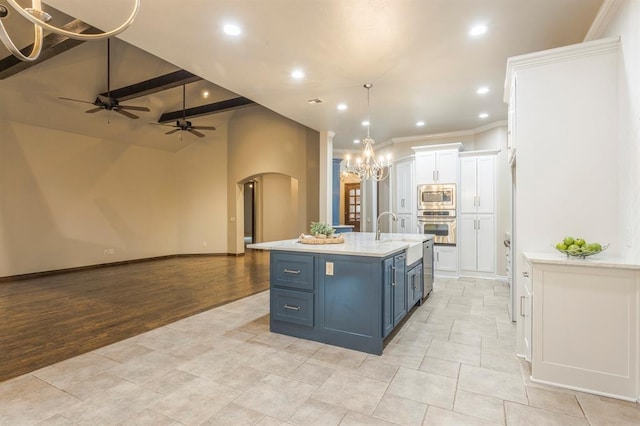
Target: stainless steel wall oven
(437, 212)
(440, 223)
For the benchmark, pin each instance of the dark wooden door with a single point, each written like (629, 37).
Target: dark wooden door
(352, 205)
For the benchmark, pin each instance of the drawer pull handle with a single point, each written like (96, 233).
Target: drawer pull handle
(291, 271)
(292, 308)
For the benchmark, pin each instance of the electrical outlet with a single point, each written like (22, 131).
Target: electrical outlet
(204, 244)
(329, 268)
(106, 252)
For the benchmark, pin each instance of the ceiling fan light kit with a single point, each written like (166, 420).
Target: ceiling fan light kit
(107, 102)
(39, 18)
(183, 124)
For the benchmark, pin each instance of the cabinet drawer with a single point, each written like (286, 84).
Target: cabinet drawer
(292, 306)
(292, 270)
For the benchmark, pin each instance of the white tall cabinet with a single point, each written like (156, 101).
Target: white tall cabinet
(405, 196)
(563, 136)
(476, 218)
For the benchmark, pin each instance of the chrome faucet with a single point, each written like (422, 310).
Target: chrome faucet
(393, 216)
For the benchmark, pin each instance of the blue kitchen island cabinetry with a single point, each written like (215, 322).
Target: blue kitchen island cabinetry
(352, 294)
(351, 301)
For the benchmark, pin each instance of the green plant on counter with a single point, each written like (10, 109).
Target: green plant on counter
(319, 228)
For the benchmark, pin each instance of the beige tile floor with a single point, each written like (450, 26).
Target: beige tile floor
(452, 363)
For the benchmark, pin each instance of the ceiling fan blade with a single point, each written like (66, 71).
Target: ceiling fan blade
(91, 111)
(203, 127)
(126, 114)
(75, 100)
(134, 108)
(170, 132)
(195, 132)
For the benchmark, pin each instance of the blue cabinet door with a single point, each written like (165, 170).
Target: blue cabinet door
(414, 285)
(399, 289)
(387, 297)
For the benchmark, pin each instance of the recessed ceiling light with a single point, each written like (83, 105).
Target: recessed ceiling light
(478, 30)
(342, 107)
(231, 29)
(365, 123)
(297, 74)
(483, 115)
(482, 90)
(420, 123)
(205, 94)
(356, 141)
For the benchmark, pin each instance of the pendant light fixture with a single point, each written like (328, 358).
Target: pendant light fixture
(367, 166)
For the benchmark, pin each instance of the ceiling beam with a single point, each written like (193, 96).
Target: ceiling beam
(153, 85)
(214, 108)
(52, 45)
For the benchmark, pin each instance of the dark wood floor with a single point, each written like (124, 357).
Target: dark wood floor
(50, 318)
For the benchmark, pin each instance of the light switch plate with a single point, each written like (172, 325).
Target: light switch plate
(329, 268)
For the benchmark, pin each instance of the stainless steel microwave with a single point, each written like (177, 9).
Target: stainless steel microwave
(441, 196)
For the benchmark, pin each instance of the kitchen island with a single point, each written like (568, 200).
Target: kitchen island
(351, 294)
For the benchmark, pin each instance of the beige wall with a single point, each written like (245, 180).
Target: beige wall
(201, 186)
(263, 142)
(280, 197)
(67, 198)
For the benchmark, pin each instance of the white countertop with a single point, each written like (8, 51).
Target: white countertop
(355, 244)
(600, 260)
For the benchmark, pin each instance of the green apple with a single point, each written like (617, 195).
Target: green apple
(594, 247)
(574, 247)
(568, 241)
(561, 246)
(579, 242)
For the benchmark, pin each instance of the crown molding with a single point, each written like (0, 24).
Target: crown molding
(456, 134)
(600, 23)
(557, 55)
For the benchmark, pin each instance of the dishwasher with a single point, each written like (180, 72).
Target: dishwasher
(427, 268)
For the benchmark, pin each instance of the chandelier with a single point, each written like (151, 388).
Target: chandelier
(367, 166)
(39, 18)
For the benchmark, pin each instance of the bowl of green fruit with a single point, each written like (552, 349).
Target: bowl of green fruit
(578, 247)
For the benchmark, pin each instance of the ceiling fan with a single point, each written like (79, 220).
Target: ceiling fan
(183, 124)
(107, 102)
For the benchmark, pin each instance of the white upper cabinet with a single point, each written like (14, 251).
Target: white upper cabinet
(437, 166)
(406, 192)
(477, 184)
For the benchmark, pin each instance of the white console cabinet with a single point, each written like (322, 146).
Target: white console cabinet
(584, 328)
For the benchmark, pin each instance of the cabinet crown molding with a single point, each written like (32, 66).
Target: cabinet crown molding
(479, 153)
(440, 147)
(557, 55)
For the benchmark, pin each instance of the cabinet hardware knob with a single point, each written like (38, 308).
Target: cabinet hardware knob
(291, 271)
(292, 308)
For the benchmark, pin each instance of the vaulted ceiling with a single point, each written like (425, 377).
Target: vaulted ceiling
(418, 54)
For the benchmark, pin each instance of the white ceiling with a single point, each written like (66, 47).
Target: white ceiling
(417, 53)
